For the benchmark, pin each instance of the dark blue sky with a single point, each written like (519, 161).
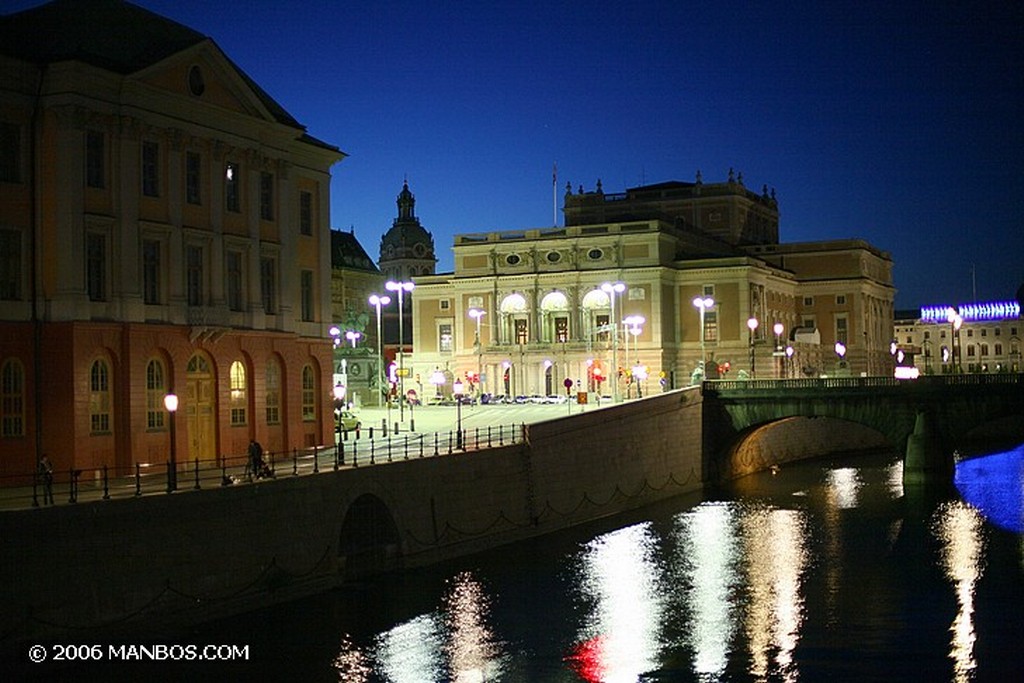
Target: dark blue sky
(896, 122)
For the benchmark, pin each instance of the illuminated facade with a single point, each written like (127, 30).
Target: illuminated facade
(536, 297)
(976, 337)
(354, 278)
(164, 229)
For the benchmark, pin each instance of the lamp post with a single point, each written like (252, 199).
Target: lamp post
(703, 303)
(378, 301)
(778, 328)
(457, 391)
(632, 324)
(171, 404)
(339, 398)
(841, 352)
(476, 314)
(611, 289)
(789, 361)
(400, 288)
(751, 325)
(353, 337)
(437, 379)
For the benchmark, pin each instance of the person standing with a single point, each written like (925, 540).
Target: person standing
(255, 459)
(46, 477)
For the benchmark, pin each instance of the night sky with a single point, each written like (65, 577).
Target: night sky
(901, 123)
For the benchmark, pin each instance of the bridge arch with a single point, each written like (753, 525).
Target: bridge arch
(369, 541)
(775, 442)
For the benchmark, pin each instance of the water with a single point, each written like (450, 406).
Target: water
(821, 571)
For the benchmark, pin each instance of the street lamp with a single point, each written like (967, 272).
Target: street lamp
(457, 391)
(377, 302)
(841, 352)
(353, 336)
(778, 328)
(171, 403)
(703, 303)
(611, 289)
(339, 398)
(956, 320)
(476, 314)
(751, 325)
(789, 361)
(400, 288)
(437, 379)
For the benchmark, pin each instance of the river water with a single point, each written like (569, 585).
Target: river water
(822, 571)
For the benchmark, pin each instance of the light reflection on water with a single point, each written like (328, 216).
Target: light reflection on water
(726, 590)
(959, 527)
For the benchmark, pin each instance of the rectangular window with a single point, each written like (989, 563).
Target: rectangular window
(521, 331)
(234, 274)
(709, 290)
(151, 272)
(12, 398)
(842, 333)
(10, 153)
(231, 200)
(95, 159)
(268, 285)
(840, 299)
(808, 301)
(267, 196)
(10, 265)
(446, 304)
(710, 326)
(603, 333)
(306, 213)
(306, 291)
(193, 178)
(96, 266)
(273, 399)
(150, 169)
(444, 337)
(561, 329)
(194, 274)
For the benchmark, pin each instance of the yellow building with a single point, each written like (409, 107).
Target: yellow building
(547, 309)
(164, 225)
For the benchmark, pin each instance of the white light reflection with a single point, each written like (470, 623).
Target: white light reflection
(473, 653)
(619, 576)
(411, 652)
(708, 555)
(352, 664)
(894, 478)
(844, 485)
(959, 527)
(775, 546)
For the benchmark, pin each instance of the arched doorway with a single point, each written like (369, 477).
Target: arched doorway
(201, 408)
(369, 542)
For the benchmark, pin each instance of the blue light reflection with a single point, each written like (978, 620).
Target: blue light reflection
(993, 484)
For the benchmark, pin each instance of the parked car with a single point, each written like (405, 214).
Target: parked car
(349, 421)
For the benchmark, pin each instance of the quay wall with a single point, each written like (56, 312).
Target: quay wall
(195, 555)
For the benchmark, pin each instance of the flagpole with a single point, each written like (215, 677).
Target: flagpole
(554, 194)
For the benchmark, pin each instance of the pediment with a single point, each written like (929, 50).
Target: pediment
(203, 73)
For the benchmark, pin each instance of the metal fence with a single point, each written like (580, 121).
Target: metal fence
(358, 448)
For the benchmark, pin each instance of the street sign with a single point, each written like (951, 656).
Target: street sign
(402, 372)
(567, 384)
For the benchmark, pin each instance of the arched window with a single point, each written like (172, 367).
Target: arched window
(515, 325)
(555, 309)
(156, 389)
(238, 393)
(308, 394)
(273, 392)
(597, 309)
(99, 398)
(12, 398)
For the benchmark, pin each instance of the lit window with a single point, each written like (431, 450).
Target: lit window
(308, 394)
(238, 393)
(273, 392)
(155, 392)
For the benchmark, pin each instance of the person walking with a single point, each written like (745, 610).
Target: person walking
(46, 477)
(255, 459)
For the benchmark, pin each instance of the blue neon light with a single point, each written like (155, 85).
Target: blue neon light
(976, 312)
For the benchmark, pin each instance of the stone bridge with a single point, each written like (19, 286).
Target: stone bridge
(928, 418)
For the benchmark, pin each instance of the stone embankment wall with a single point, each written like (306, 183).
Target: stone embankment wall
(194, 555)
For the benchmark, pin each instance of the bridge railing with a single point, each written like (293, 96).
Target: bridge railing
(714, 385)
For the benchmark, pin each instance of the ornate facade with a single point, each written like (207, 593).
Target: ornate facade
(544, 316)
(165, 230)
